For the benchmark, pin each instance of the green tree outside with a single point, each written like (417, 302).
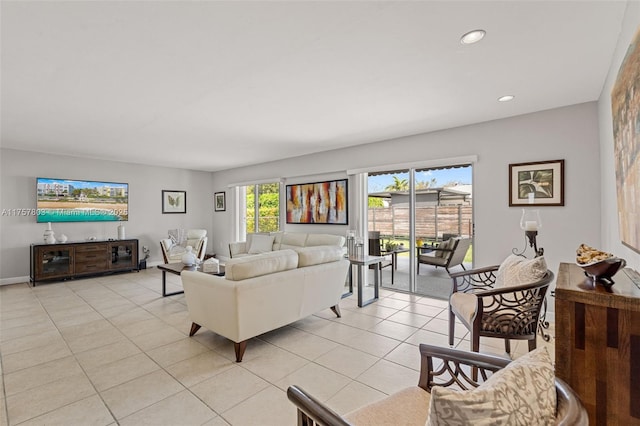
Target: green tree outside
(268, 208)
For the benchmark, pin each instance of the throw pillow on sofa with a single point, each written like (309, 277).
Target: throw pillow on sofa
(260, 244)
(521, 393)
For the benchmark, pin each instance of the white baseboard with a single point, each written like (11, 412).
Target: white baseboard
(14, 280)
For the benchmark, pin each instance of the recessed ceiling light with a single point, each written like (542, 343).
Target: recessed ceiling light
(472, 37)
(506, 98)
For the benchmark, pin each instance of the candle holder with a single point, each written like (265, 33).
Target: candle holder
(530, 222)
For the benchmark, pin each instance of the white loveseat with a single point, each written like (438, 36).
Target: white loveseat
(263, 292)
(261, 243)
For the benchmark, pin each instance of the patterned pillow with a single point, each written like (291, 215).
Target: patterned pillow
(522, 393)
(517, 270)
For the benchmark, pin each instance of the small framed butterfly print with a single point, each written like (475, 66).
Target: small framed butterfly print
(174, 201)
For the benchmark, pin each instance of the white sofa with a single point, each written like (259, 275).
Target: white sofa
(263, 292)
(261, 243)
(172, 251)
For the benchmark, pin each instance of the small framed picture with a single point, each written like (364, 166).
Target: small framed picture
(174, 201)
(539, 184)
(219, 202)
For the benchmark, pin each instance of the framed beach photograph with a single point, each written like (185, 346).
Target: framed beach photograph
(539, 183)
(318, 203)
(219, 202)
(174, 201)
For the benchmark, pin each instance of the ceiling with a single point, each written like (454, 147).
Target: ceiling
(222, 84)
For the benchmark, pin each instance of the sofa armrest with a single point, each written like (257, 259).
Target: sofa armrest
(212, 302)
(237, 248)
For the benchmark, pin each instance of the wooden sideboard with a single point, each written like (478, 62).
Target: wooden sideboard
(598, 344)
(62, 261)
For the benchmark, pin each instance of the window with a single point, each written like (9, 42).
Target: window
(266, 209)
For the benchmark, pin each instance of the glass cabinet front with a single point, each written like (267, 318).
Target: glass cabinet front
(123, 255)
(54, 262)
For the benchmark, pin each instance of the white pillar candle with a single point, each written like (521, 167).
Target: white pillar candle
(531, 225)
(531, 197)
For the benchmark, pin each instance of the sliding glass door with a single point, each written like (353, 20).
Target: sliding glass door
(411, 213)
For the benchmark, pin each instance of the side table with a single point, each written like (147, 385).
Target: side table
(360, 262)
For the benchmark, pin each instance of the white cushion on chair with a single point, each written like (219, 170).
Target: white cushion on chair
(445, 245)
(464, 305)
(517, 270)
(406, 407)
(521, 393)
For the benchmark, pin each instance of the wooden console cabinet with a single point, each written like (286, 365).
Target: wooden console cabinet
(598, 344)
(62, 261)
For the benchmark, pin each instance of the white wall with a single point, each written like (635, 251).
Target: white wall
(146, 221)
(569, 133)
(610, 231)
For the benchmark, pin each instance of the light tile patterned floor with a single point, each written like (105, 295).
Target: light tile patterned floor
(111, 350)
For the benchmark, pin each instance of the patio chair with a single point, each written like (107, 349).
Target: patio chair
(506, 310)
(411, 406)
(375, 249)
(447, 254)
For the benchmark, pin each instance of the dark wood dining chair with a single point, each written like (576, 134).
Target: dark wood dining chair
(375, 249)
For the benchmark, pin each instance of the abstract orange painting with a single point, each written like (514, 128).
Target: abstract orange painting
(318, 202)
(625, 108)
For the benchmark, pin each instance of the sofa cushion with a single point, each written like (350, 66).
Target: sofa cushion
(297, 239)
(260, 244)
(517, 270)
(261, 264)
(324, 240)
(316, 255)
(521, 393)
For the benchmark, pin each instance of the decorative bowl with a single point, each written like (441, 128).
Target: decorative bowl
(602, 270)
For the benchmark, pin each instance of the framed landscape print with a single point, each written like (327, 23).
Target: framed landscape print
(625, 111)
(540, 183)
(219, 202)
(174, 201)
(318, 202)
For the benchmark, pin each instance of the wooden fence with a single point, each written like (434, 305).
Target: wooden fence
(431, 222)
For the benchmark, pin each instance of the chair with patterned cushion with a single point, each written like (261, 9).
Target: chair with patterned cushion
(500, 301)
(445, 389)
(447, 254)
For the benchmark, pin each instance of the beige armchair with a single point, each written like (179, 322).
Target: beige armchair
(448, 254)
(440, 367)
(172, 251)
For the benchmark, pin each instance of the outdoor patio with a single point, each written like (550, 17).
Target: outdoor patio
(433, 282)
